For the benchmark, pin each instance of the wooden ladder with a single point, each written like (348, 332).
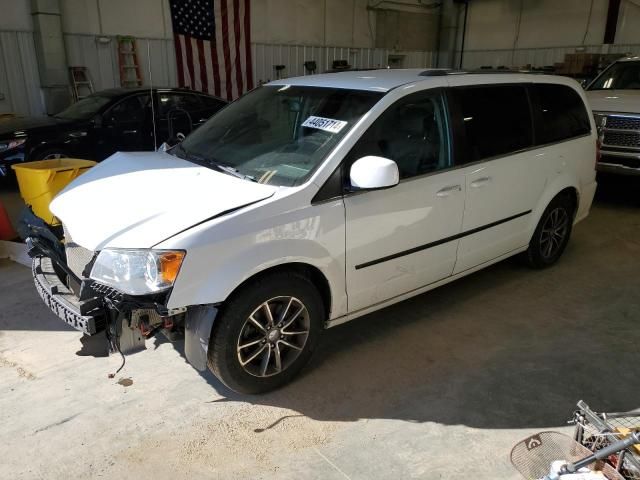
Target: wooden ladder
(81, 84)
(130, 75)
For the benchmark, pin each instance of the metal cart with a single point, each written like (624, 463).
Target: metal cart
(599, 430)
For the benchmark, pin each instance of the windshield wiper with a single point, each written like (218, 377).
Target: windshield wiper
(210, 162)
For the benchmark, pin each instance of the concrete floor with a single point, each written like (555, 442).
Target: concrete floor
(440, 386)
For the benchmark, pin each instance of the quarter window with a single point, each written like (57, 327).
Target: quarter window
(560, 113)
(496, 120)
(412, 132)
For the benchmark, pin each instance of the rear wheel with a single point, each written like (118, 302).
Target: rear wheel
(552, 233)
(266, 333)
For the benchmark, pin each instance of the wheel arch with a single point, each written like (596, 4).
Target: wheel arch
(312, 272)
(43, 147)
(562, 186)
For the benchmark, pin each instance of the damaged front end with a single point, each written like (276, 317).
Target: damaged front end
(61, 272)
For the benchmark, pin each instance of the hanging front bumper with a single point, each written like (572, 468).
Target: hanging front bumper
(63, 302)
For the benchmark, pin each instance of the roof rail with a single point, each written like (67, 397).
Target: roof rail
(483, 71)
(434, 72)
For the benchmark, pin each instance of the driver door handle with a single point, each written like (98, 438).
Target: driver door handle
(480, 182)
(446, 191)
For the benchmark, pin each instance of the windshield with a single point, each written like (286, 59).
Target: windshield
(84, 109)
(620, 76)
(277, 135)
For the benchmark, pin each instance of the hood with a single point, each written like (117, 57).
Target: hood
(623, 101)
(136, 200)
(9, 127)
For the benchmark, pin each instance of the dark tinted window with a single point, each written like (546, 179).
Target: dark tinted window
(212, 103)
(496, 120)
(178, 101)
(619, 76)
(131, 109)
(412, 132)
(560, 113)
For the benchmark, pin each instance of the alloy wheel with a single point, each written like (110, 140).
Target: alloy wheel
(554, 232)
(273, 336)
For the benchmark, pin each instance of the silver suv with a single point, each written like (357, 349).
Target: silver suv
(615, 100)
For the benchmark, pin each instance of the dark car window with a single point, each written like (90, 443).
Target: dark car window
(496, 120)
(560, 113)
(84, 109)
(179, 101)
(132, 109)
(412, 132)
(212, 104)
(620, 76)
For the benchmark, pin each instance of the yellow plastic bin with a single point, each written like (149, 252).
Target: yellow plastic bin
(40, 181)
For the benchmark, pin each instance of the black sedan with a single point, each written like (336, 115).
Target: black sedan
(104, 123)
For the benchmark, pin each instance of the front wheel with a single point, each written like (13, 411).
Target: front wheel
(50, 154)
(552, 233)
(266, 333)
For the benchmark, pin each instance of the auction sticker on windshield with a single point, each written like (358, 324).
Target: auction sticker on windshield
(326, 124)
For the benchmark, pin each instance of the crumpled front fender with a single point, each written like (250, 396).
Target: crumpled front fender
(197, 330)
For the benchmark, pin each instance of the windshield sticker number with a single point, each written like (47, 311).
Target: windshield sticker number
(326, 124)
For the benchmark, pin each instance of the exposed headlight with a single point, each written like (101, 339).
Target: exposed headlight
(11, 144)
(137, 272)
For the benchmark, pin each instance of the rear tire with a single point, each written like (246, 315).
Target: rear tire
(266, 333)
(552, 233)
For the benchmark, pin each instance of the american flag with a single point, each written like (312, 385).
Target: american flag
(213, 49)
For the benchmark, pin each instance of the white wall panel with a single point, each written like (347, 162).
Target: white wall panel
(19, 78)
(265, 56)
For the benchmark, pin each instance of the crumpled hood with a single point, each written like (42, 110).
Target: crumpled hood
(623, 101)
(136, 200)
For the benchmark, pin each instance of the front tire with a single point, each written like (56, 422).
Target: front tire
(50, 154)
(552, 233)
(266, 332)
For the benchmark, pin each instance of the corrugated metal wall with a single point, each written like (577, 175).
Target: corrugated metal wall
(538, 57)
(101, 57)
(266, 56)
(19, 78)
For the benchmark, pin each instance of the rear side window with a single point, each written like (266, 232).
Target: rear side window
(560, 113)
(496, 120)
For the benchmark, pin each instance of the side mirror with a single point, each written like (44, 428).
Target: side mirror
(371, 173)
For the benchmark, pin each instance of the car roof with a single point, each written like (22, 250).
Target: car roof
(628, 59)
(384, 80)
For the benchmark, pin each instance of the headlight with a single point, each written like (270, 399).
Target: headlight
(600, 119)
(11, 144)
(137, 272)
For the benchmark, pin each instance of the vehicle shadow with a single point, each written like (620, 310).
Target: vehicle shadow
(503, 348)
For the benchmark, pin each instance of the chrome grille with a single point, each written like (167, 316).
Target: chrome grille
(622, 139)
(622, 131)
(77, 256)
(623, 123)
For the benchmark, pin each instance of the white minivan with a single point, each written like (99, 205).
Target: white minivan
(312, 201)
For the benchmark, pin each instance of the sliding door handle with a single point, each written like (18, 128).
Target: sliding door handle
(446, 191)
(480, 182)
